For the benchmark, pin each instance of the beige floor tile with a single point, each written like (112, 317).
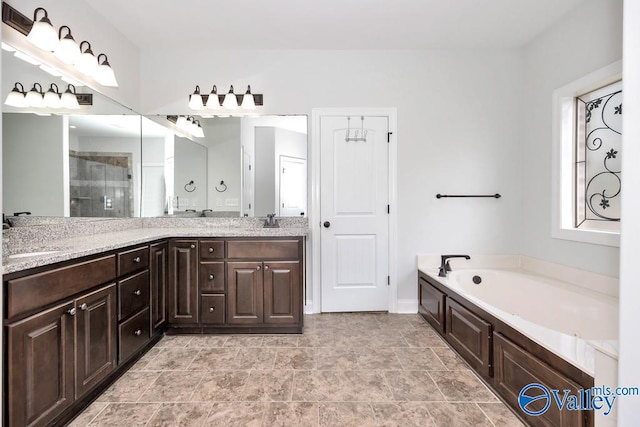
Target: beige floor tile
(423, 338)
(450, 359)
(377, 358)
(457, 415)
(88, 414)
(254, 358)
(500, 415)
(175, 341)
(414, 359)
(294, 414)
(268, 386)
(221, 386)
(337, 358)
(295, 358)
(280, 341)
(172, 359)
(236, 414)
(172, 386)
(412, 386)
(340, 386)
(207, 341)
(214, 359)
(462, 386)
(125, 414)
(402, 414)
(346, 414)
(243, 341)
(180, 415)
(129, 387)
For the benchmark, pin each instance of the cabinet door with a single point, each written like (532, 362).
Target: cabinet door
(245, 296)
(183, 281)
(431, 305)
(282, 292)
(470, 335)
(40, 366)
(158, 272)
(95, 338)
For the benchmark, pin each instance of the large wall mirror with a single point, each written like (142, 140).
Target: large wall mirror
(60, 162)
(242, 166)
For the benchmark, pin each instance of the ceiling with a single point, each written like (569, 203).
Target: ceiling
(332, 24)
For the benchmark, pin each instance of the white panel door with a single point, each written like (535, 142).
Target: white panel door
(354, 192)
(292, 196)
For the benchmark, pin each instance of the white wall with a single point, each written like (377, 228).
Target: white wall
(190, 163)
(33, 164)
(222, 137)
(628, 368)
(459, 128)
(265, 178)
(87, 24)
(565, 52)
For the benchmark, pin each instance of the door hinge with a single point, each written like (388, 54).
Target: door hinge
(388, 209)
(389, 136)
(388, 280)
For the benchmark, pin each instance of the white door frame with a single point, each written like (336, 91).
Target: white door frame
(314, 214)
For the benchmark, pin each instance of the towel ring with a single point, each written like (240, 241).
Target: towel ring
(191, 187)
(223, 189)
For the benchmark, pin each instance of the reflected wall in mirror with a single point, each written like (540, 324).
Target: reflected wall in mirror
(244, 166)
(79, 163)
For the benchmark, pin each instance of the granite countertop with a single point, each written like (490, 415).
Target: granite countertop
(65, 249)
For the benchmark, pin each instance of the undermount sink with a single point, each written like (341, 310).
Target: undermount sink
(31, 254)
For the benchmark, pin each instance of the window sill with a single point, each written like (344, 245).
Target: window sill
(596, 237)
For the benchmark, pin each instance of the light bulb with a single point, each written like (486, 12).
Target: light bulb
(87, 63)
(248, 103)
(52, 97)
(213, 102)
(34, 97)
(16, 97)
(230, 101)
(104, 73)
(69, 99)
(67, 50)
(42, 33)
(195, 100)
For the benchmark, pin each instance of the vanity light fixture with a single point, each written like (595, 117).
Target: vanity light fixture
(198, 132)
(213, 102)
(230, 101)
(52, 97)
(87, 63)
(16, 97)
(67, 50)
(35, 97)
(42, 33)
(187, 125)
(195, 100)
(104, 74)
(69, 99)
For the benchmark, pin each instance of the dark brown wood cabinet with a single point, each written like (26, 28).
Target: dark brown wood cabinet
(431, 304)
(245, 295)
(40, 365)
(183, 282)
(158, 271)
(95, 338)
(470, 335)
(282, 292)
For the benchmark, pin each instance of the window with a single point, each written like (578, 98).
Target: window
(587, 127)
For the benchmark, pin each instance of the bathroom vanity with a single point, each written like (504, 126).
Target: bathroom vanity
(72, 327)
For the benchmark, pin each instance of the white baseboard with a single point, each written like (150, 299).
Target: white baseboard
(308, 307)
(407, 306)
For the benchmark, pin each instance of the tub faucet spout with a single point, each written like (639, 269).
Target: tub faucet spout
(444, 263)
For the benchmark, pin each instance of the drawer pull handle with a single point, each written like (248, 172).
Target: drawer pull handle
(211, 277)
(210, 250)
(137, 259)
(212, 309)
(83, 306)
(193, 246)
(137, 292)
(266, 267)
(258, 268)
(71, 311)
(137, 332)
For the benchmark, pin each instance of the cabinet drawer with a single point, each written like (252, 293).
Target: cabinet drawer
(211, 249)
(263, 249)
(133, 260)
(133, 334)
(133, 294)
(38, 290)
(212, 309)
(211, 277)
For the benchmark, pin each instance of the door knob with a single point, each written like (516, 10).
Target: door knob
(211, 277)
(210, 250)
(137, 259)
(83, 306)
(137, 332)
(137, 292)
(212, 309)
(327, 224)
(193, 246)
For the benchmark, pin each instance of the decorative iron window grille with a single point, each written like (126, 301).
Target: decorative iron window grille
(597, 153)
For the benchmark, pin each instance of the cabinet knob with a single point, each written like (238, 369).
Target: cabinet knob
(266, 267)
(193, 246)
(83, 306)
(211, 277)
(137, 332)
(136, 259)
(258, 268)
(210, 250)
(71, 311)
(137, 292)
(212, 309)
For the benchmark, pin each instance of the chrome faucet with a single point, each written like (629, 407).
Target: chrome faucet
(444, 264)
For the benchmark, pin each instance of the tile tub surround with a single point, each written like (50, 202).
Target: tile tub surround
(74, 240)
(365, 369)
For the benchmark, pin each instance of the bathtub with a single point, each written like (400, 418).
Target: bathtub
(569, 314)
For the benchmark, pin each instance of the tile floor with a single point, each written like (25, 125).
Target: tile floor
(364, 369)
